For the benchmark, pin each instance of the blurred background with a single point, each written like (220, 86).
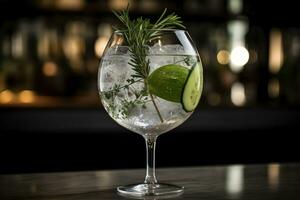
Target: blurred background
(51, 118)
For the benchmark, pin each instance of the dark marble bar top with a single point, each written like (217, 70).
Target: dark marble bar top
(255, 182)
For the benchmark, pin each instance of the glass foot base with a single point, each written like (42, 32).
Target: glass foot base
(159, 189)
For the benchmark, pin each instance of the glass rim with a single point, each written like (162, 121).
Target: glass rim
(166, 30)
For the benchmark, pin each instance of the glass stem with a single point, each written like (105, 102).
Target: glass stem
(150, 173)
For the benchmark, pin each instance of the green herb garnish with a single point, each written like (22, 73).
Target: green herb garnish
(138, 34)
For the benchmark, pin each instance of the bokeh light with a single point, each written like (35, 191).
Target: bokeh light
(239, 56)
(50, 69)
(223, 57)
(238, 96)
(26, 96)
(6, 96)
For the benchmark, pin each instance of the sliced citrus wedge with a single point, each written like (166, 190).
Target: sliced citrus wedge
(168, 82)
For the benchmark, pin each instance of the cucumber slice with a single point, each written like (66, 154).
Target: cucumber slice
(193, 88)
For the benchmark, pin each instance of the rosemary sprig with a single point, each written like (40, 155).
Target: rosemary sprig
(140, 98)
(117, 88)
(138, 33)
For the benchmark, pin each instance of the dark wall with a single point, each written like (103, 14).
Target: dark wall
(83, 139)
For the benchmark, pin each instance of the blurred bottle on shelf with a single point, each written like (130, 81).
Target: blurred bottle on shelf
(287, 70)
(62, 4)
(242, 56)
(149, 5)
(275, 64)
(18, 64)
(53, 74)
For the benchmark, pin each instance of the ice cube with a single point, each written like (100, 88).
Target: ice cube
(174, 49)
(158, 48)
(117, 50)
(114, 70)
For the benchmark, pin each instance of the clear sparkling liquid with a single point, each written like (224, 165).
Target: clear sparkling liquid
(123, 106)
